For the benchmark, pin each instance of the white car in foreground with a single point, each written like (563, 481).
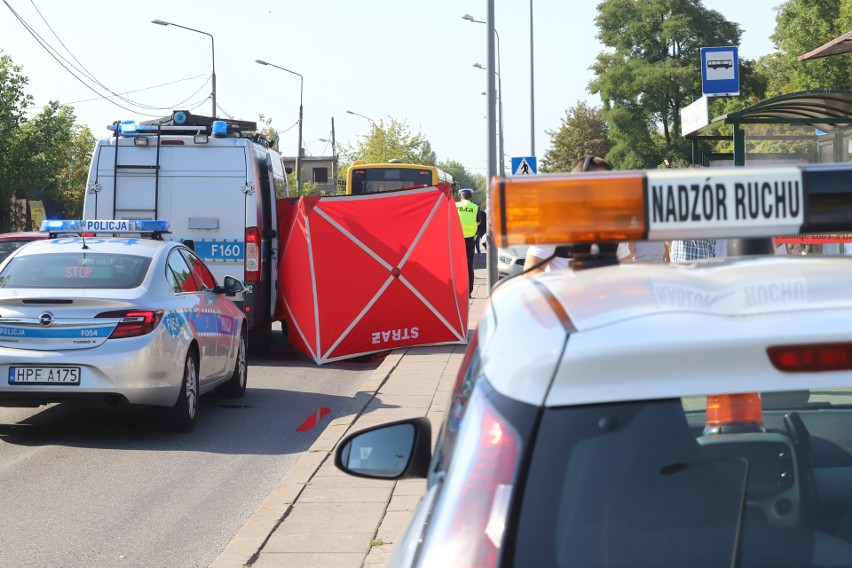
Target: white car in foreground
(112, 320)
(640, 414)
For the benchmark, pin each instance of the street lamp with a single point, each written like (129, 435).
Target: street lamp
(375, 129)
(532, 86)
(499, 119)
(299, 149)
(470, 18)
(362, 116)
(212, 47)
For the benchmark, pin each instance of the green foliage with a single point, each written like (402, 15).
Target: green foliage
(583, 131)
(802, 26)
(45, 158)
(462, 177)
(13, 104)
(650, 72)
(308, 187)
(386, 142)
(264, 124)
(73, 176)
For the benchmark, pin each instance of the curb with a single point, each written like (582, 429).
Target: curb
(246, 545)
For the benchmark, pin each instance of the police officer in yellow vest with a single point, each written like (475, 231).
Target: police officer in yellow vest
(470, 217)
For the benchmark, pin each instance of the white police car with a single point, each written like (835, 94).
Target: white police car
(101, 317)
(645, 415)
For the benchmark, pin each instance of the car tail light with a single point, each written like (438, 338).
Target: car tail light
(252, 261)
(470, 518)
(728, 413)
(133, 322)
(811, 358)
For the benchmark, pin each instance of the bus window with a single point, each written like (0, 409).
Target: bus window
(376, 178)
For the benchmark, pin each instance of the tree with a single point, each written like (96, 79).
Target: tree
(802, 26)
(465, 179)
(583, 131)
(74, 175)
(391, 141)
(650, 72)
(461, 176)
(13, 104)
(45, 158)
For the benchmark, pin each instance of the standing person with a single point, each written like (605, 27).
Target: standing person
(480, 231)
(537, 254)
(469, 215)
(684, 251)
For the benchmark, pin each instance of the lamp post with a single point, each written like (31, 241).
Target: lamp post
(470, 18)
(499, 119)
(532, 86)
(299, 149)
(212, 48)
(375, 128)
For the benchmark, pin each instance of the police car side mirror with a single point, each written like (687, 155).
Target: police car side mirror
(232, 286)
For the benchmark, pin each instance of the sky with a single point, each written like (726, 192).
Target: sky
(383, 59)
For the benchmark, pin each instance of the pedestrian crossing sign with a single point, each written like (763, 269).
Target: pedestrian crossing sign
(524, 166)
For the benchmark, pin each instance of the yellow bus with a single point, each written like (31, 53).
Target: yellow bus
(364, 178)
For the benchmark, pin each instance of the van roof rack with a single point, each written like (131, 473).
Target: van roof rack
(185, 118)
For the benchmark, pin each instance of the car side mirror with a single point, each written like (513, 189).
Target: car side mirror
(397, 450)
(232, 286)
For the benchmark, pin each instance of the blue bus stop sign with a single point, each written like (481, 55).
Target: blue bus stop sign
(720, 71)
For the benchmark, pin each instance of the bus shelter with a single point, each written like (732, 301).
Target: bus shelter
(826, 113)
(817, 125)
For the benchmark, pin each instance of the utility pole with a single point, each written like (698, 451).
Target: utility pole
(333, 155)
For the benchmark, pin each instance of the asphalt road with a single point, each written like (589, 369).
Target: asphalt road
(114, 489)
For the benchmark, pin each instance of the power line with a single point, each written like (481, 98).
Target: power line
(139, 91)
(65, 64)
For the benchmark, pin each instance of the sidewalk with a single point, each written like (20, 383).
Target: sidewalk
(318, 516)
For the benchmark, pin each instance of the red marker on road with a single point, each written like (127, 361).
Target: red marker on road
(313, 420)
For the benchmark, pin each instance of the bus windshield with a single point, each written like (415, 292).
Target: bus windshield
(375, 180)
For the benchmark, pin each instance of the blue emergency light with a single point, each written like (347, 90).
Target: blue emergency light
(112, 226)
(219, 128)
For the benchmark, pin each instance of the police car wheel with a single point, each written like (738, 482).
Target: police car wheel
(182, 414)
(236, 385)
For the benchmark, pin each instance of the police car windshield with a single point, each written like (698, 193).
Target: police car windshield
(75, 270)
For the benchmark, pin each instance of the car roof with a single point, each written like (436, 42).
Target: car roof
(640, 331)
(98, 244)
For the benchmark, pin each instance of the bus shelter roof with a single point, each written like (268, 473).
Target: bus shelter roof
(838, 45)
(821, 109)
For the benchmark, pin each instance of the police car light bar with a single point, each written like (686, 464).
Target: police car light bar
(665, 204)
(112, 226)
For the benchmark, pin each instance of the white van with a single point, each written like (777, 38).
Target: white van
(216, 182)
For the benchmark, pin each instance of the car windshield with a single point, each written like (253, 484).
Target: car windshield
(650, 484)
(75, 270)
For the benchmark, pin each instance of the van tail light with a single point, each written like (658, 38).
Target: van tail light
(133, 322)
(252, 260)
(811, 358)
(468, 525)
(733, 413)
